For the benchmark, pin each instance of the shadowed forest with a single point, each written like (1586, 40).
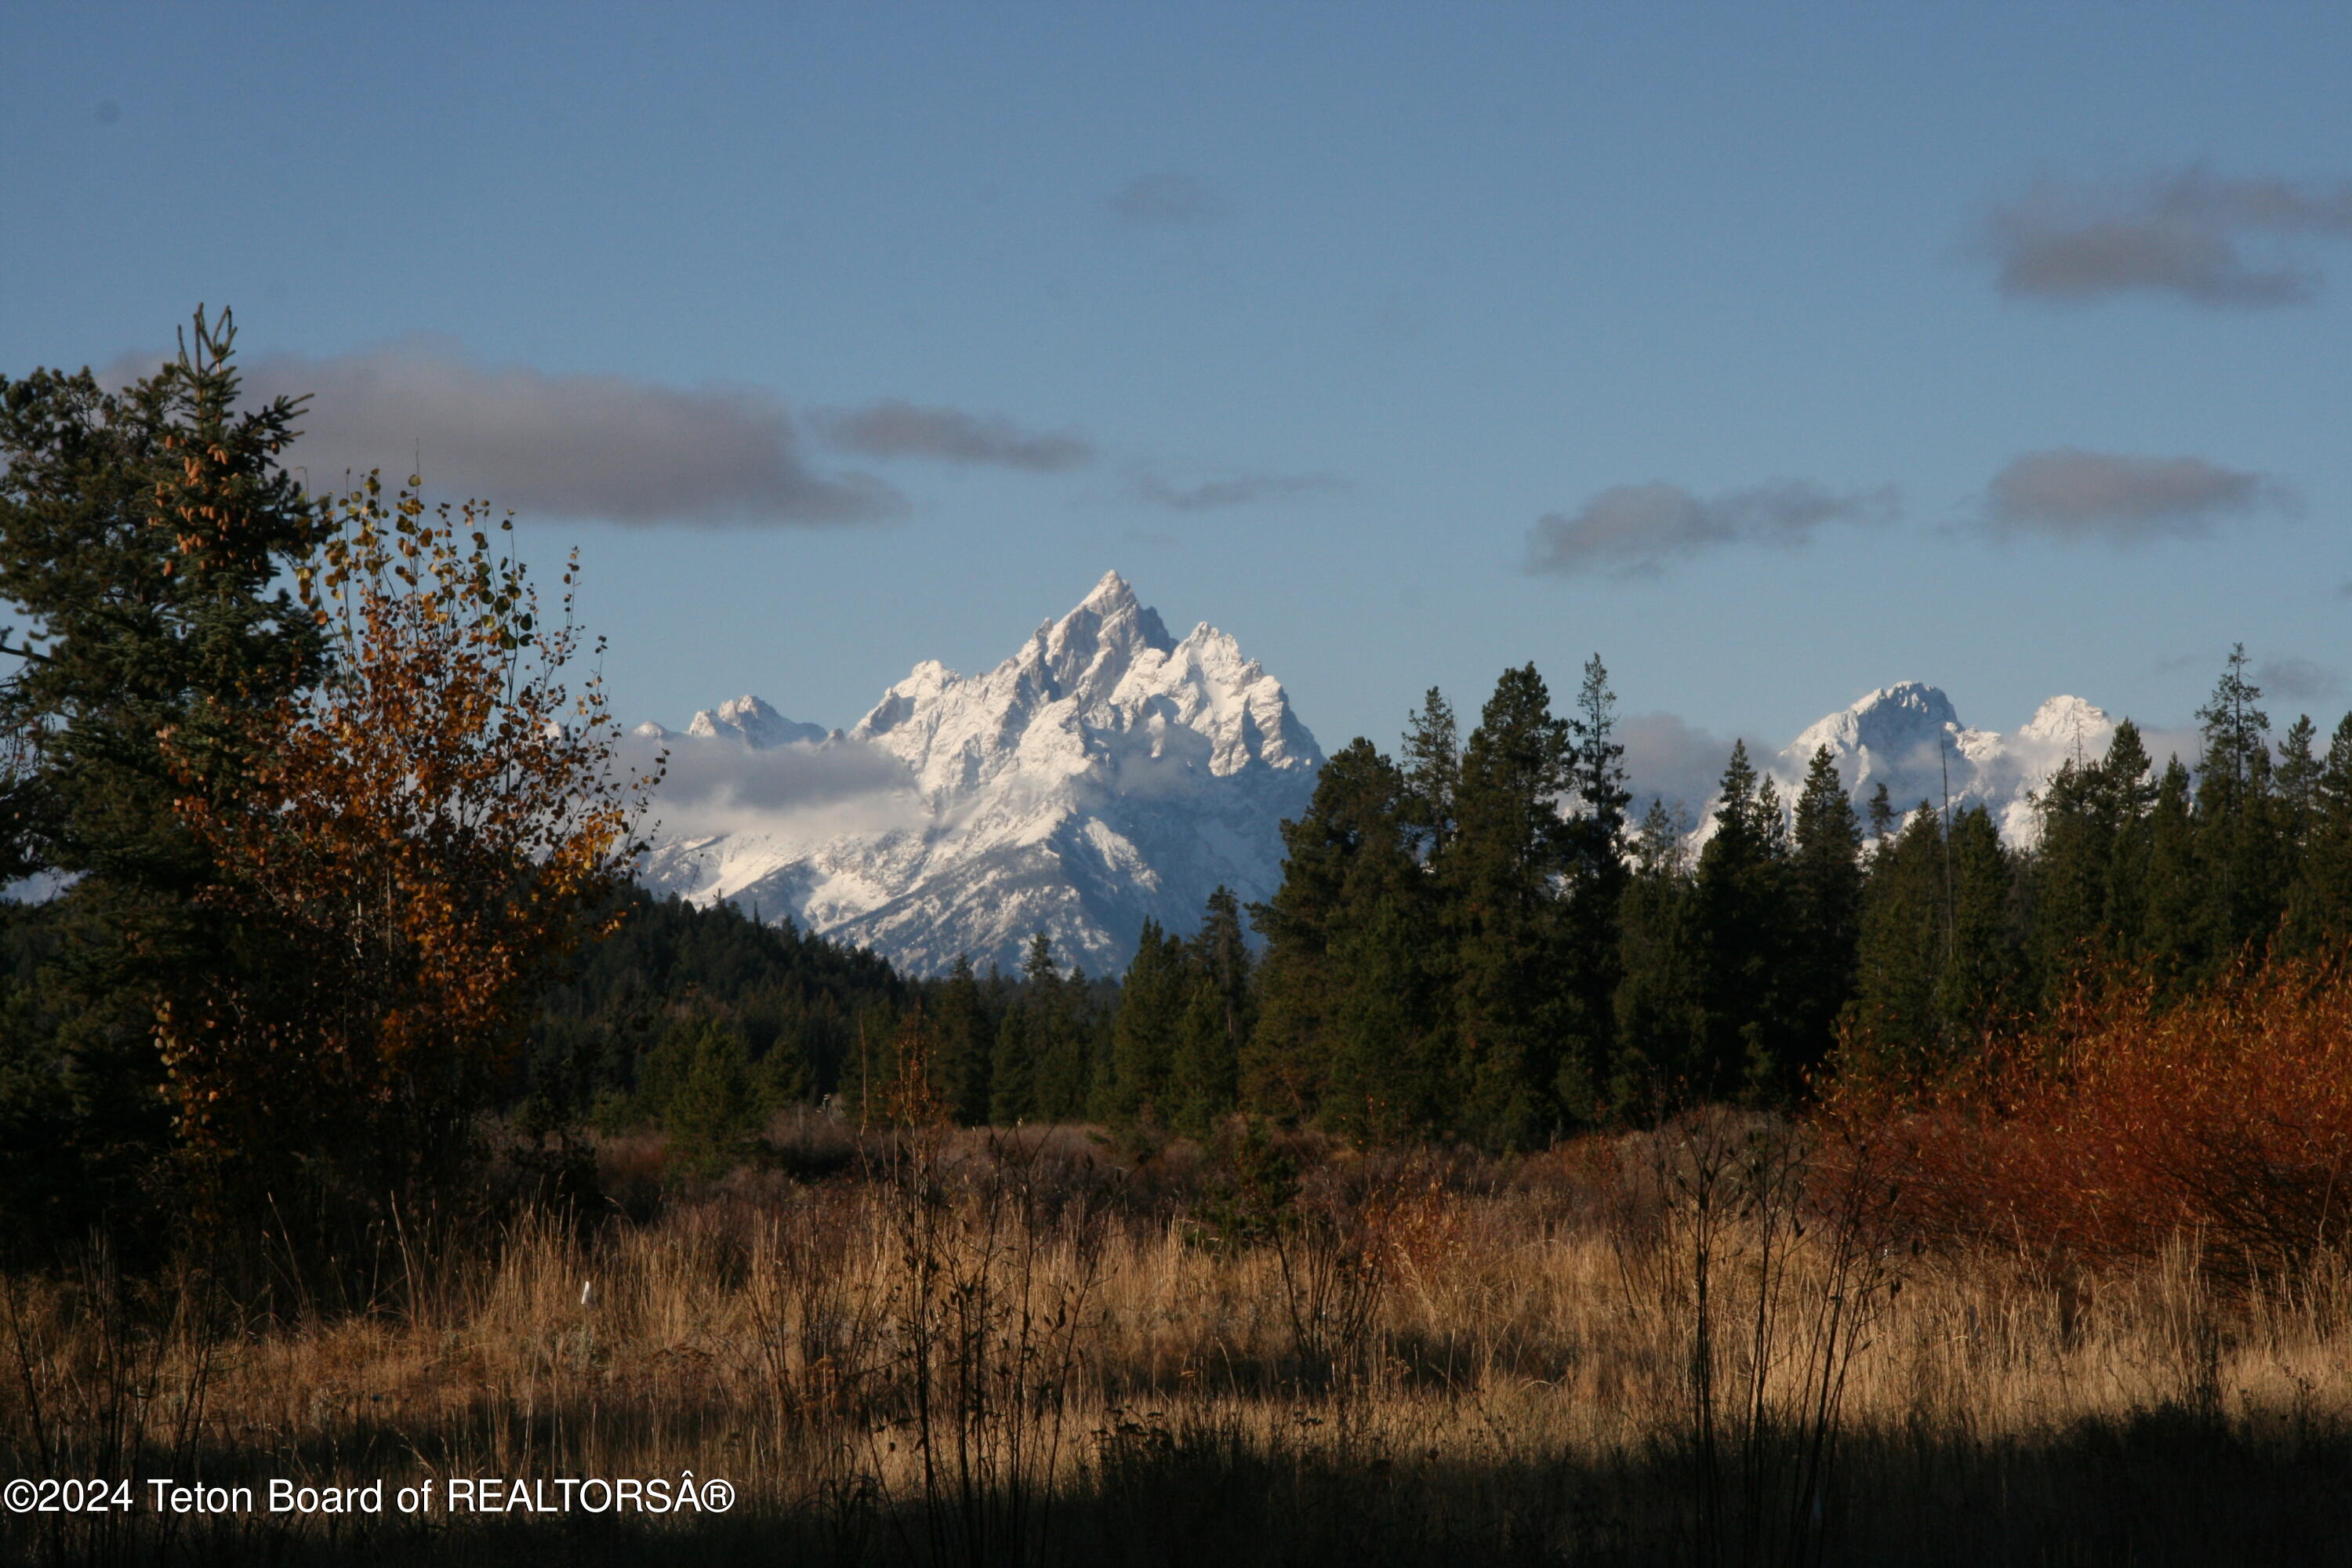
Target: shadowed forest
(1528, 1180)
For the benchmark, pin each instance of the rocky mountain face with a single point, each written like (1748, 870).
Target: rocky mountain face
(1907, 737)
(1105, 773)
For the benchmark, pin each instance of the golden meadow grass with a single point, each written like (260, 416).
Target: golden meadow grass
(1008, 1348)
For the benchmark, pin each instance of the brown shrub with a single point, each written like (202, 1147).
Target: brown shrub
(2223, 1123)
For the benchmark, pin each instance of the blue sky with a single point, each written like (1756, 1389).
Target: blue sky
(1775, 352)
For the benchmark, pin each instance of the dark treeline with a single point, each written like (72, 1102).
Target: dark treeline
(1473, 940)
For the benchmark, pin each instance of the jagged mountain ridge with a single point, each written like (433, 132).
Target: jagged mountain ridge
(1907, 737)
(1105, 773)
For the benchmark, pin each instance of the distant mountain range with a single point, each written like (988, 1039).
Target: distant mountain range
(1104, 774)
(1107, 773)
(1907, 737)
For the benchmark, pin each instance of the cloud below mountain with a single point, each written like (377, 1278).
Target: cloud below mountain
(800, 789)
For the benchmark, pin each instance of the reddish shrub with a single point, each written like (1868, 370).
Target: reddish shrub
(2225, 1120)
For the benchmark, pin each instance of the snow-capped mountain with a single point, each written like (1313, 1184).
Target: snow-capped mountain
(1105, 773)
(746, 719)
(1907, 738)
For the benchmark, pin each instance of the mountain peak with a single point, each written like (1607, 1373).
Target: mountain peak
(1102, 776)
(2071, 721)
(750, 720)
(1907, 737)
(1892, 726)
(1111, 592)
(1908, 702)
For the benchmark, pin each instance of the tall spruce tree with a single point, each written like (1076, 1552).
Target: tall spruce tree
(1355, 836)
(1893, 1024)
(1153, 1000)
(1742, 896)
(1432, 762)
(2239, 830)
(145, 538)
(2179, 906)
(2129, 789)
(2296, 780)
(1593, 891)
(2321, 903)
(1024, 1039)
(1979, 983)
(1500, 879)
(962, 1044)
(2086, 884)
(1218, 1012)
(1825, 910)
(1660, 1005)
(1061, 1031)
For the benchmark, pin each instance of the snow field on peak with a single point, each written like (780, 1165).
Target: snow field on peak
(1908, 738)
(1102, 776)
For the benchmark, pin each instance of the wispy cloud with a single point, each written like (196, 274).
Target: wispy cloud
(1154, 488)
(897, 428)
(610, 448)
(1637, 529)
(2068, 493)
(1166, 199)
(2184, 234)
(2297, 678)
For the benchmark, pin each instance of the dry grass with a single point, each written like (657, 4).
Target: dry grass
(991, 1350)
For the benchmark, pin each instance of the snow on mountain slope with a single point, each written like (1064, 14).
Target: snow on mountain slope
(1104, 774)
(1907, 737)
(751, 721)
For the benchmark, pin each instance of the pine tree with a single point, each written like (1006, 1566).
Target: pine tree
(964, 1043)
(2084, 888)
(2072, 876)
(1358, 811)
(2320, 906)
(1152, 999)
(1498, 879)
(2297, 778)
(1027, 1042)
(1592, 893)
(2236, 732)
(711, 1110)
(144, 536)
(1882, 819)
(1432, 761)
(1217, 1017)
(1660, 1004)
(1059, 1035)
(1892, 1023)
(1825, 897)
(2238, 824)
(1742, 897)
(2128, 796)
(1983, 968)
(2178, 904)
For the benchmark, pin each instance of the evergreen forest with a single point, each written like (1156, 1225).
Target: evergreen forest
(1476, 940)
